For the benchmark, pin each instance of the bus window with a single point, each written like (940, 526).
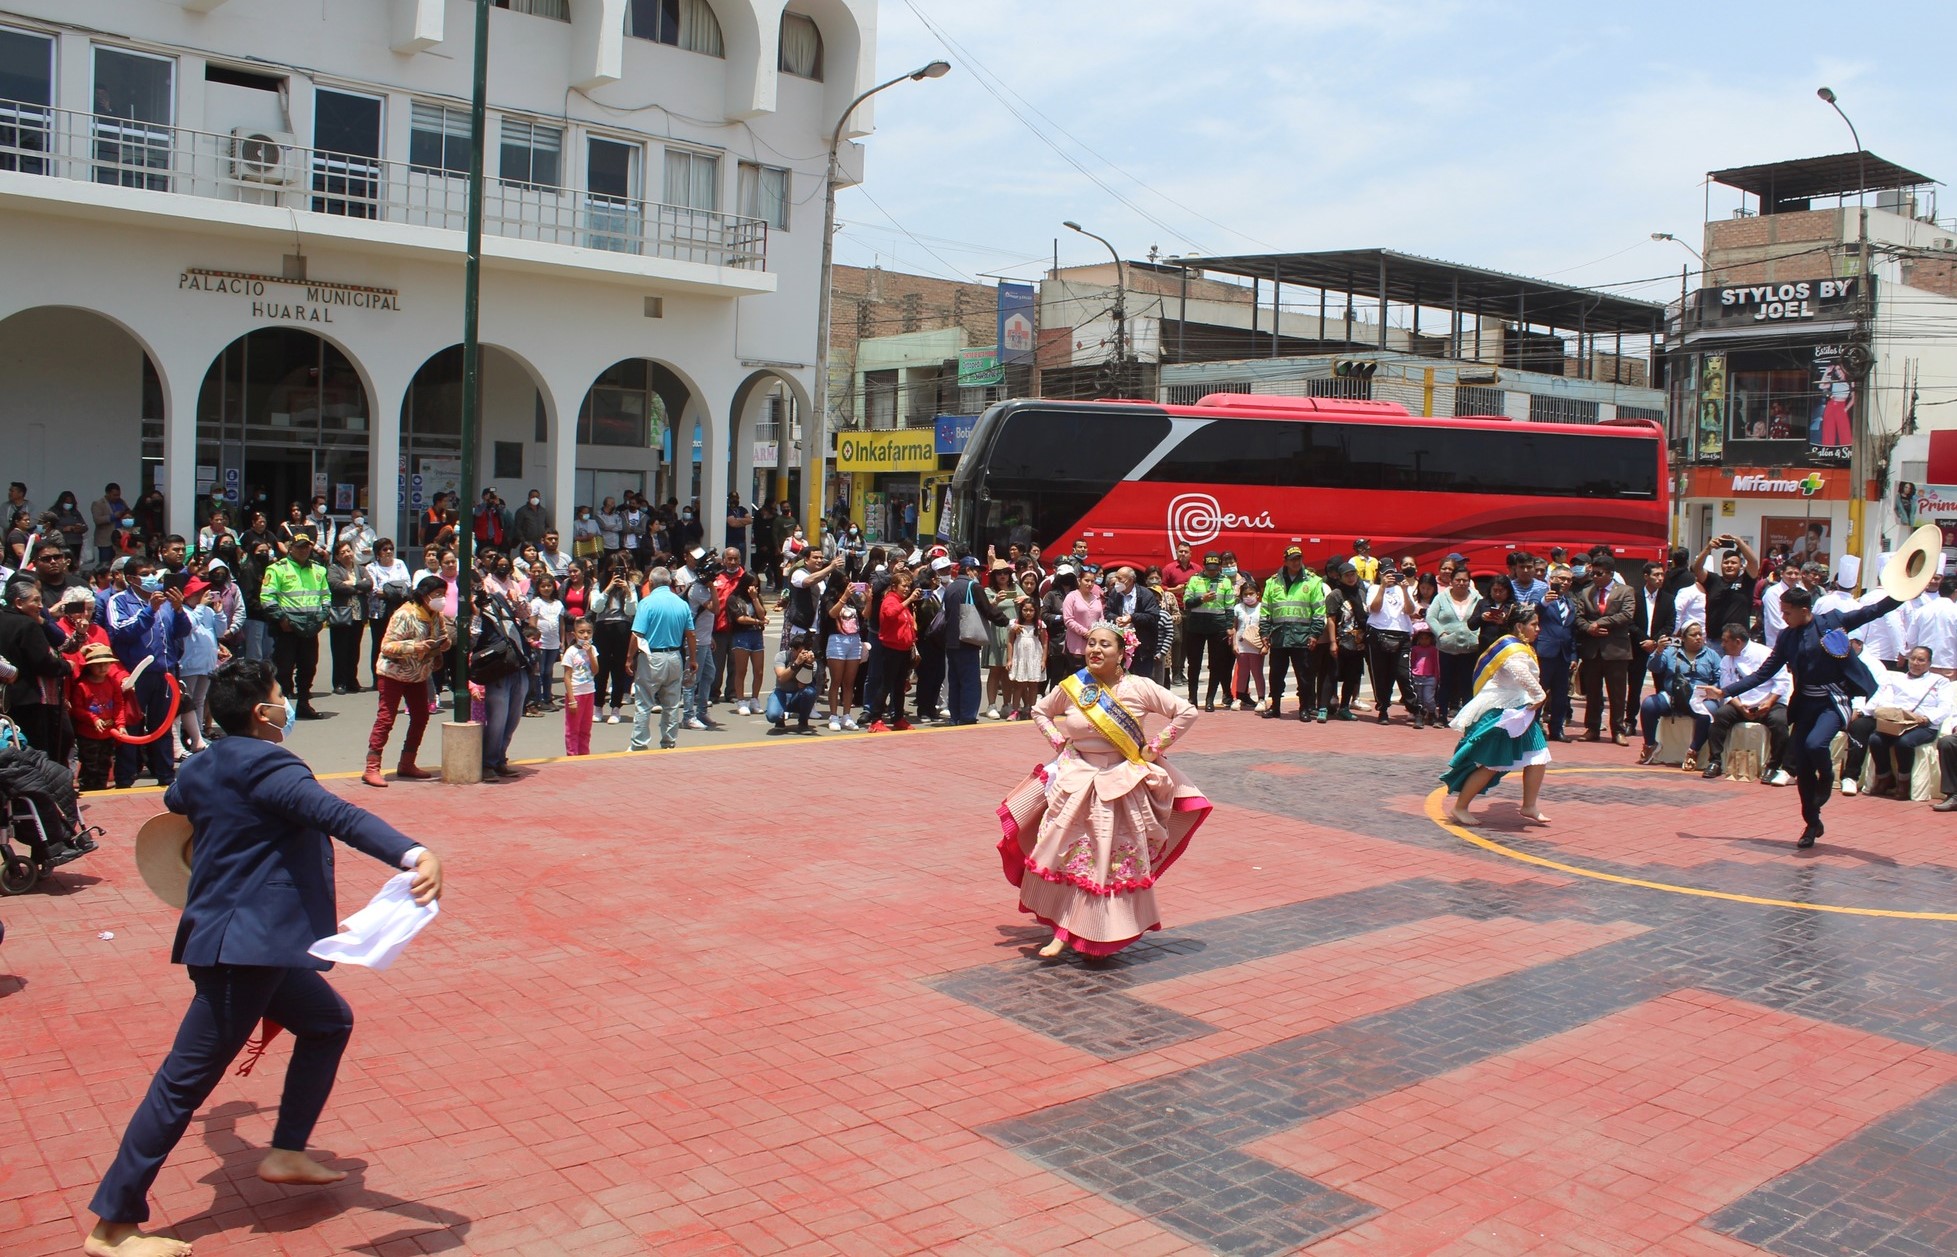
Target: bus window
(1091, 447)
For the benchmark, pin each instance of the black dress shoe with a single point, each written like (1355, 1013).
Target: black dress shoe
(1948, 804)
(1808, 835)
(307, 712)
(1713, 769)
(1561, 737)
(1270, 713)
(1383, 718)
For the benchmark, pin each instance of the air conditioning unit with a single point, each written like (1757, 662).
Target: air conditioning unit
(262, 156)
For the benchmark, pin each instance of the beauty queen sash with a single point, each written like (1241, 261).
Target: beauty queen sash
(1498, 653)
(1109, 718)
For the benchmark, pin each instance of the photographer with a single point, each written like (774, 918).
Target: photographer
(794, 691)
(1389, 620)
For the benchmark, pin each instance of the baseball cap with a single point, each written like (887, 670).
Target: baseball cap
(1211, 556)
(121, 564)
(1293, 552)
(969, 563)
(195, 586)
(1064, 569)
(940, 563)
(1360, 542)
(1457, 557)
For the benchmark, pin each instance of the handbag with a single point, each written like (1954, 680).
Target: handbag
(971, 625)
(1893, 722)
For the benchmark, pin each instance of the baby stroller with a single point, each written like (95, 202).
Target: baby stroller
(41, 826)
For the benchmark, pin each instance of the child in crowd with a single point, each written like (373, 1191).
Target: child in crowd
(580, 689)
(201, 655)
(1026, 655)
(547, 619)
(1249, 642)
(1426, 663)
(100, 702)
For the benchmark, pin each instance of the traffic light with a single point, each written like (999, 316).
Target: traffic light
(1354, 368)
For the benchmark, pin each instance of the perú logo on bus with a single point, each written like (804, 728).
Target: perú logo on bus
(1196, 518)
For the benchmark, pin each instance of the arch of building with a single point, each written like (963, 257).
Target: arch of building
(517, 408)
(67, 377)
(748, 410)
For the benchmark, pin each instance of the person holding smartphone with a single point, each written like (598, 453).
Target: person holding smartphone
(1389, 619)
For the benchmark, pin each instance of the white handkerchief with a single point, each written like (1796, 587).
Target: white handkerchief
(376, 935)
(1516, 721)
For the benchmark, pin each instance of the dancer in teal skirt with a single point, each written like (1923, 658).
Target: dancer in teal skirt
(1500, 728)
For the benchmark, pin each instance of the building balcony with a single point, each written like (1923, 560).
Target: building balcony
(250, 179)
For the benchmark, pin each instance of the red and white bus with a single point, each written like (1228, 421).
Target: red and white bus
(1256, 474)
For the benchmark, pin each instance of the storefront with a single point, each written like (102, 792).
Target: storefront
(1799, 510)
(886, 472)
(1774, 373)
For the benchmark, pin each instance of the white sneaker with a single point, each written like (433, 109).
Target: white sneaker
(835, 724)
(849, 724)
(612, 719)
(1850, 786)
(992, 713)
(697, 724)
(657, 709)
(742, 709)
(1780, 777)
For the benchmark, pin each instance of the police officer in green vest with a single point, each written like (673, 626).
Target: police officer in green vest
(1292, 620)
(295, 598)
(1206, 610)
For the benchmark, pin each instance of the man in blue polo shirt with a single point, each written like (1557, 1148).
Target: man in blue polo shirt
(661, 661)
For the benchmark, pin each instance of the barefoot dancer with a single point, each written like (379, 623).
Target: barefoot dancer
(261, 893)
(1501, 726)
(1113, 816)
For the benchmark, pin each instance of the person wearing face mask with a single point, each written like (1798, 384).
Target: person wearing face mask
(413, 648)
(531, 521)
(587, 537)
(360, 536)
(261, 894)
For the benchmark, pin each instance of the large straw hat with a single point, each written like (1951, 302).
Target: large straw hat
(1911, 569)
(163, 857)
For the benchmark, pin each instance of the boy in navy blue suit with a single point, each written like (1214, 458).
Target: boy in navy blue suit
(261, 894)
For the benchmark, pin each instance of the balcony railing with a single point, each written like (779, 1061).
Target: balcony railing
(89, 148)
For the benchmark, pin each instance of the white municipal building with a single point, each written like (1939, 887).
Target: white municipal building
(232, 235)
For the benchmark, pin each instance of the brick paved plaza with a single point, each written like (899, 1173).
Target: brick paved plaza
(776, 999)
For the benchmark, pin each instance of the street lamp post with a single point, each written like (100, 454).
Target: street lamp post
(1691, 421)
(471, 360)
(815, 431)
(1857, 456)
(1120, 311)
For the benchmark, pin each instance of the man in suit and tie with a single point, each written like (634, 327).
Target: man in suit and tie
(1657, 614)
(261, 894)
(1134, 605)
(1603, 647)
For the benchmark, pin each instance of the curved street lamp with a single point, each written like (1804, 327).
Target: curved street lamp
(1120, 308)
(815, 431)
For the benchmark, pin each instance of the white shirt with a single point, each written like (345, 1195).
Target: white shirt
(1751, 656)
(1691, 604)
(1928, 695)
(1772, 619)
(1882, 638)
(1393, 615)
(1935, 626)
(1834, 600)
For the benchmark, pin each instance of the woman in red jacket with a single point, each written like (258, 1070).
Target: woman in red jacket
(896, 636)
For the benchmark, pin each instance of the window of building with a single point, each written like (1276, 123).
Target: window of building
(764, 194)
(135, 104)
(438, 139)
(692, 179)
(533, 154)
(507, 460)
(1551, 409)
(618, 409)
(26, 96)
(559, 9)
(880, 398)
(1471, 400)
(1395, 457)
(801, 47)
(685, 24)
(1641, 412)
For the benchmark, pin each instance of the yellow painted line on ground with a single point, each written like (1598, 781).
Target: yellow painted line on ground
(138, 791)
(1437, 812)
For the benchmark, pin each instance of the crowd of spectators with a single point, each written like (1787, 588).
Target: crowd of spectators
(110, 625)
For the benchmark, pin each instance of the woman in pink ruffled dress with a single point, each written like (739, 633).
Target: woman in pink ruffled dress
(1088, 835)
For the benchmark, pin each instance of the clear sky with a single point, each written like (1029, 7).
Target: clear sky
(1549, 139)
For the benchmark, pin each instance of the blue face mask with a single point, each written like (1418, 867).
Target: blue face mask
(291, 718)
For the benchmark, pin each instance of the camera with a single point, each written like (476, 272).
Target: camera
(707, 566)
